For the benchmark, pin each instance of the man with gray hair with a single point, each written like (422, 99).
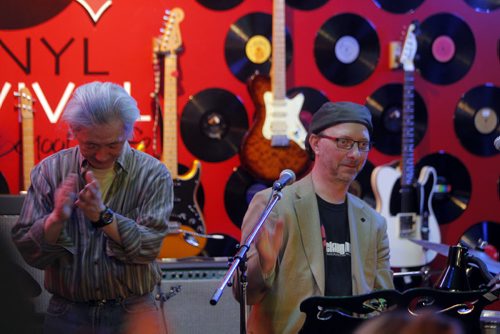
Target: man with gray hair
(319, 240)
(94, 219)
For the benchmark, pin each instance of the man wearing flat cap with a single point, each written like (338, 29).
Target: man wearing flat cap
(319, 239)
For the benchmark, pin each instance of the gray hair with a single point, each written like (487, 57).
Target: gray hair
(98, 103)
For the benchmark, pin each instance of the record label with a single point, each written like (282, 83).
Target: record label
(346, 49)
(476, 119)
(248, 46)
(213, 124)
(443, 49)
(446, 49)
(258, 49)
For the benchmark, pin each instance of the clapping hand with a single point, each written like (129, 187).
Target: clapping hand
(89, 199)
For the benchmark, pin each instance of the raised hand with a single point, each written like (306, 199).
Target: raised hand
(64, 198)
(89, 198)
(268, 243)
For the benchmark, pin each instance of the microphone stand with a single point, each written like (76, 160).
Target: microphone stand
(239, 260)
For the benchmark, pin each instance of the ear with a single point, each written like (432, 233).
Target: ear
(313, 142)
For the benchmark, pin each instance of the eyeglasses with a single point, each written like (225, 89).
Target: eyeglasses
(347, 144)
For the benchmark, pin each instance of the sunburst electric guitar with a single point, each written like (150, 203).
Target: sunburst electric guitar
(276, 140)
(186, 215)
(416, 219)
(25, 105)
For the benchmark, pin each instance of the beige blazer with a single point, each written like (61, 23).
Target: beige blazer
(300, 271)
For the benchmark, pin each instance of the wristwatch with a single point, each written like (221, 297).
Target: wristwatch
(105, 218)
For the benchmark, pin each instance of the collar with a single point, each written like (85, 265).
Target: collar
(122, 163)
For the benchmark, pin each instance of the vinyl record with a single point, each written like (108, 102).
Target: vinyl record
(248, 46)
(453, 189)
(346, 49)
(313, 100)
(483, 5)
(213, 124)
(239, 191)
(477, 119)
(483, 231)
(446, 49)
(361, 186)
(398, 7)
(306, 4)
(219, 4)
(386, 107)
(22, 14)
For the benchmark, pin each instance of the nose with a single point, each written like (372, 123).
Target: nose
(101, 155)
(354, 150)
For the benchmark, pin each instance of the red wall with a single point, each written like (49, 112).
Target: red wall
(119, 49)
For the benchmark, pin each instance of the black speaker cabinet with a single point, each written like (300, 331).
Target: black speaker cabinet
(6, 222)
(189, 310)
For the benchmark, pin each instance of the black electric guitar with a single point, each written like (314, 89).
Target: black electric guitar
(276, 140)
(186, 215)
(416, 219)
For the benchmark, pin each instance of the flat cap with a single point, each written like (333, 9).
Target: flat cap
(332, 113)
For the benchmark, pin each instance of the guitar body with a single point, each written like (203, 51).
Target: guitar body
(186, 214)
(263, 160)
(404, 253)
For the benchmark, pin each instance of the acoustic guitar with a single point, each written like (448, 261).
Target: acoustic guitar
(416, 219)
(276, 140)
(186, 216)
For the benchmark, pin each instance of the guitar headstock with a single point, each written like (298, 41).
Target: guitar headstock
(410, 46)
(171, 41)
(25, 104)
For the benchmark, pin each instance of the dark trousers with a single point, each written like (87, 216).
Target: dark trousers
(122, 316)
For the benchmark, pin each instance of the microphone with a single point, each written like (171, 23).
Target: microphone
(497, 143)
(287, 177)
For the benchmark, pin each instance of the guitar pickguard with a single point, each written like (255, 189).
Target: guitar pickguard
(282, 119)
(423, 223)
(186, 215)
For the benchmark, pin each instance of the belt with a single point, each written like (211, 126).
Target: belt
(102, 302)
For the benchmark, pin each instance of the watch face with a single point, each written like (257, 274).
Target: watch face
(107, 216)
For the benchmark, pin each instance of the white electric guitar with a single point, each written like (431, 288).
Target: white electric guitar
(416, 219)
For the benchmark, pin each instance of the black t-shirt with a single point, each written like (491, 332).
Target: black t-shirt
(337, 248)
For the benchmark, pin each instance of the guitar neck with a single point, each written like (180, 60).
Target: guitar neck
(28, 150)
(278, 84)
(408, 130)
(169, 152)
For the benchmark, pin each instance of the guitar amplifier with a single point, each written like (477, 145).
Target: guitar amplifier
(189, 286)
(10, 207)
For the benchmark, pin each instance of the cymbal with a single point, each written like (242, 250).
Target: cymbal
(492, 265)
